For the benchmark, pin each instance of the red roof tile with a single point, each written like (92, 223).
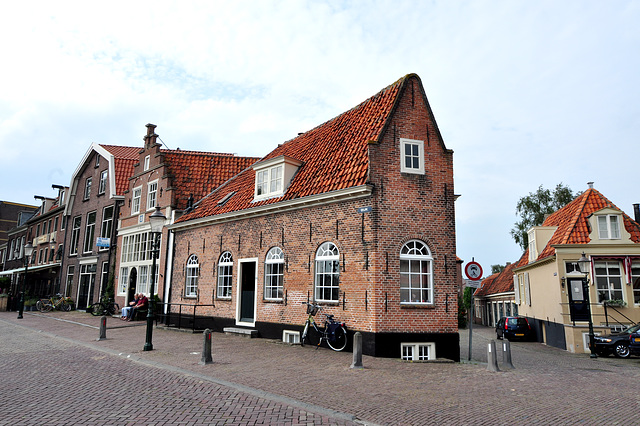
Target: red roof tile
(573, 221)
(199, 173)
(501, 282)
(334, 156)
(125, 157)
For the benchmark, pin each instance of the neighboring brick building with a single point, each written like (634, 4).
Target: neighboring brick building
(356, 214)
(95, 199)
(170, 179)
(12, 215)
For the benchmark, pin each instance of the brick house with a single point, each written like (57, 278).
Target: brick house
(356, 214)
(548, 285)
(496, 298)
(170, 179)
(94, 202)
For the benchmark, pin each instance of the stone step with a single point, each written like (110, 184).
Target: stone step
(245, 332)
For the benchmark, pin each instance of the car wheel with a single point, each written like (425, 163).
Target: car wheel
(621, 350)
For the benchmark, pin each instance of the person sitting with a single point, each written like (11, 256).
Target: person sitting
(126, 309)
(142, 304)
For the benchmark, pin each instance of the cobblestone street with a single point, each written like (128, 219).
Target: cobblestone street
(56, 372)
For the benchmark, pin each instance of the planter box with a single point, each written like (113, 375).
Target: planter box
(3, 303)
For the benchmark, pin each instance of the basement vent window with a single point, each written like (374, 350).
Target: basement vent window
(418, 351)
(291, 337)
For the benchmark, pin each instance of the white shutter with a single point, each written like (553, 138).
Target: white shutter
(527, 289)
(516, 289)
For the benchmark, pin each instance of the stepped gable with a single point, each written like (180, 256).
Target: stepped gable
(334, 156)
(573, 221)
(125, 157)
(198, 173)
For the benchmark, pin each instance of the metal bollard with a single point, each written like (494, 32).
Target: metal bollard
(506, 354)
(103, 328)
(357, 350)
(492, 360)
(206, 348)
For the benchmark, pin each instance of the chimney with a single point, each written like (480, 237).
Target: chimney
(590, 185)
(636, 212)
(150, 138)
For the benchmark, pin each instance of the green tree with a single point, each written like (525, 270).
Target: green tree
(533, 208)
(497, 268)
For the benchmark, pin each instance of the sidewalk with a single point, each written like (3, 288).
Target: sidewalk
(544, 385)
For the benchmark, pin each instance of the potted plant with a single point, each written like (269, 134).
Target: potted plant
(30, 304)
(4, 298)
(615, 303)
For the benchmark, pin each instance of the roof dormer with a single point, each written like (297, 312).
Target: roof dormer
(273, 176)
(539, 237)
(608, 225)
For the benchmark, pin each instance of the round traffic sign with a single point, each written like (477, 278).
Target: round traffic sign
(473, 271)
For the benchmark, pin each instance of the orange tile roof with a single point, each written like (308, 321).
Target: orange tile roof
(573, 221)
(198, 173)
(125, 157)
(501, 282)
(334, 156)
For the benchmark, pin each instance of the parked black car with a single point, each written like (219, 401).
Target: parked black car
(634, 342)
(513, 328)
(616, 344)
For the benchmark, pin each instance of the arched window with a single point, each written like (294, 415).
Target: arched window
(274, 274)
(327, 283)
(416, 273)
(225, 272)
(193, 271)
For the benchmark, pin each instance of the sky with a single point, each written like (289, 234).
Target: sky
(525, 93)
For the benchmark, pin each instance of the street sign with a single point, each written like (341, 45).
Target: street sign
(473, 270)
(364, 209)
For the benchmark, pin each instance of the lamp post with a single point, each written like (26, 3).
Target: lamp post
(156, 220)
(28, 250)
(585, 267)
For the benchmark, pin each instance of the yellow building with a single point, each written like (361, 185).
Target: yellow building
(548, 286)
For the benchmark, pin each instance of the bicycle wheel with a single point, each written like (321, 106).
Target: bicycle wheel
(112, 308)
(340, 340)
(39, 305)
(303, 336)
(65, 306)
(97, 309)
(313, 336)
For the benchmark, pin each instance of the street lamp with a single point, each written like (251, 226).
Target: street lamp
(156, 220)
(584, 264)
(28, 250)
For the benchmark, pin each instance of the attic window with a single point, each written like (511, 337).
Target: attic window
(273, 176)
(411, 156)
(226, 198)
(608, 227)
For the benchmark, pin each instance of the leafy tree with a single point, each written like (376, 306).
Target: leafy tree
(533, 208)
(497, 268)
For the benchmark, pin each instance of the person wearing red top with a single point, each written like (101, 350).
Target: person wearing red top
(142, 304)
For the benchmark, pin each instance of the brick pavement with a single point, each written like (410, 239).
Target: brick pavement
(548, 385)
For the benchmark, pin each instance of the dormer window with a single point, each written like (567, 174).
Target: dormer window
(273, 176)
(608, 227)
(533, 254)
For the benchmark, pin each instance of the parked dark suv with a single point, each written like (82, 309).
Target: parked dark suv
(617, 344)
(513, 328)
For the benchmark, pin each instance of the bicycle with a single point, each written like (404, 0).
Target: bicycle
(104, 307)
(334, 332)
(47, 305)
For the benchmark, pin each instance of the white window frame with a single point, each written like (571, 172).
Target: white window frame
(136, 199)
(327, 273)
(71, 269)
(609, 227)
(89, 233)
(416, 252)
(87, 188)
(152, 195)
(192, 274)
(107, 225)
(225, 275)
(75, 235)
(416, 145)
(147, 162)
(124, 280)
(270, 182)
(102, 186)
(142, 286)
(635, 281)
(418, 351)
(604, 283)
(274, 274)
